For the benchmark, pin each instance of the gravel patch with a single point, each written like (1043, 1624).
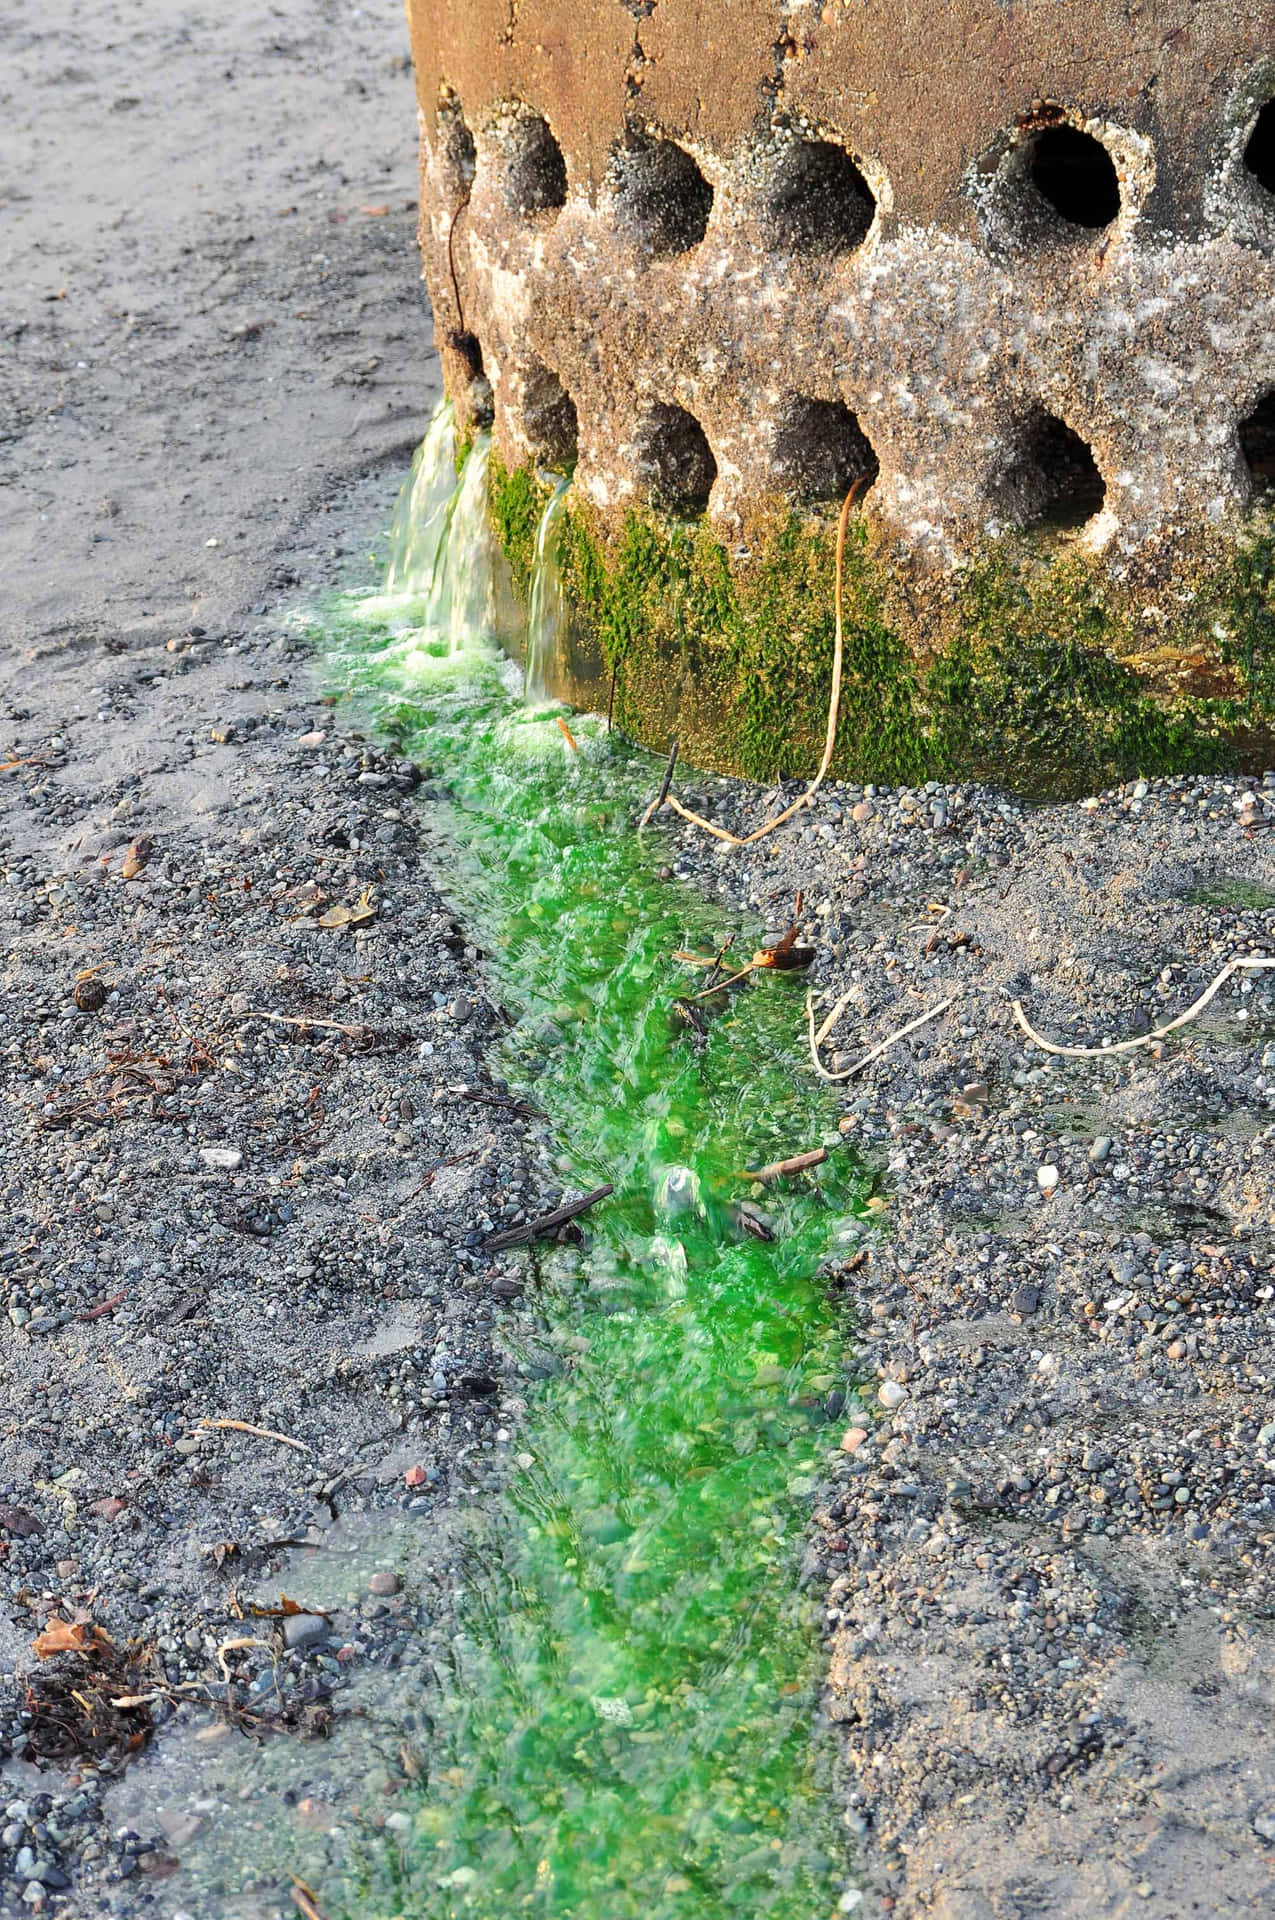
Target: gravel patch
(1046, 1560)
(250, 1152)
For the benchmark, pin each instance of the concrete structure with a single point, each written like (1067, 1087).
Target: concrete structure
(1014, 264)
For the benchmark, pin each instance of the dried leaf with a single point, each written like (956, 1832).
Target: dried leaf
(361, 914)
(137, 856)
(72, 1636)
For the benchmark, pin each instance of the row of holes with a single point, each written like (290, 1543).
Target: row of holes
(816, 199)
(821, 448)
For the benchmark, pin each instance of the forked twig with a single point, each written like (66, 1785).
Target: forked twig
(834, 710)
(874, 1053)
(1242, 964)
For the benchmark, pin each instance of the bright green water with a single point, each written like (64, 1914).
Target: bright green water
(630, 1727)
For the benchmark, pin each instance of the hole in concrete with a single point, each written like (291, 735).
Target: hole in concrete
(549, 419)
(661, 197)
(535, 173)
(676, 461)
(1075, 174)
(820, 449)
(456, 147)
(818, 199)
(1257, 444)
(475, 402)
(1053, 482)
(1259, 154)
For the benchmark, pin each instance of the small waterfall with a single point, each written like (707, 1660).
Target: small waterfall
(465, 602)
(445, 570)
(547, 614)
(422, 514)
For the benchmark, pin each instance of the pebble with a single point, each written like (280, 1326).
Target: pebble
(383, 1583)
(891, 1394)
(302, 1630)
(223, 1159)
(1047, 1177)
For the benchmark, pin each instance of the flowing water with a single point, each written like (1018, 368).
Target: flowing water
(547, 612)
(629, 1725)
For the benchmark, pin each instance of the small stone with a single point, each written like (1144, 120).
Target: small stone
(223, 1159)
(1177, 1350)
(1047, 1177)
(89, 995)
(415, 1477)
(180, 1827)
(188, 1444)
(1140, 791)
(105, 1212)
(109, 1508)
(1100, 1149)
(459, 1008)
(1264, 1824)
(891, 1394)
(862, 810)
(223, 734)
(383, 1583)
(1025, 1300)
(853, 1438)
(301, 1630)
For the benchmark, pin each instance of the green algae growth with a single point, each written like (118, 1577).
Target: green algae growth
(1029, 667)
(628, 1730)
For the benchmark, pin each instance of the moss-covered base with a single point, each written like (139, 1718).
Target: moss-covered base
(1027, 671)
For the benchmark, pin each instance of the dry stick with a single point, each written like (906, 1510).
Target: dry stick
(305, 1899)
(834, 710)
(293, 1020)
(519, 1236)
(874, 1053)
(662, 795)
(306, 1903)
(611, 696)
(718, 957)
(262, 1433)
(567, 734)
(834, 1016)
(795, 1163)
(732, 980)
(1239, 965)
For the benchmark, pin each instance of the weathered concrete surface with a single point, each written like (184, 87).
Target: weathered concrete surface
(961, 308)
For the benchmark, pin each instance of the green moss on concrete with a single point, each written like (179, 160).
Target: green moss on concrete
(517, 502)
(1026, 676)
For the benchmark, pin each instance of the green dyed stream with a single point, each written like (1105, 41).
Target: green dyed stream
(630, 1722)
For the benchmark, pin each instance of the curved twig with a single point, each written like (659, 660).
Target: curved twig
(834, 711)
(1242, 964)
(873, 1053)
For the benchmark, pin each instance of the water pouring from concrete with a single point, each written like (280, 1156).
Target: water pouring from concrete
(626, 1729)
